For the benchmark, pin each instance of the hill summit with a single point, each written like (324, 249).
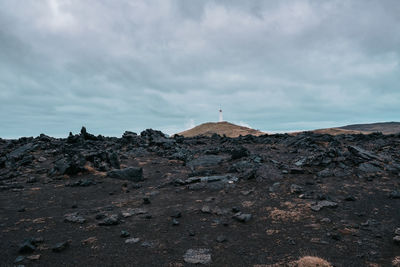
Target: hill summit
(220, 128)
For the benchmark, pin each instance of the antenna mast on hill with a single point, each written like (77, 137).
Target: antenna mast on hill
(220, 116)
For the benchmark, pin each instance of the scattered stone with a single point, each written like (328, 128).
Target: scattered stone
(19, 259)
(296, 171)
(197, 256)
(146, 201)
(206, 209)
(110, 220)
(235, 209)
(131, 212)
(368, 168)
(296, 189)
(114, 160)
(146, 244)
(334, 236)
(60, 246)
(88, 136)
(42, 159)
(205, 161)
(70, 165)
(274, 187)
(33, 257)
(350, 198)
(221, 238)
(362, 153)
(124, 233)
(192, 233)
(27, 246)
(100, 216)
(176, 214)
(133, 240)
(90, 240)
(242, 217)
(246, 192)
(239, 152)
(301, 162)
(31, 180)
(74, 218)
(134, 174)
(324, 204)
(326, 220)
(22, 209)
(83, 183)
(217, 182)
(19, 152)
(395, 194)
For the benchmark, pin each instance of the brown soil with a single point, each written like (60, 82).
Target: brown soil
(220, 128)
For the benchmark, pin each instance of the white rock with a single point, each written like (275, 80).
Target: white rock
(197, 256)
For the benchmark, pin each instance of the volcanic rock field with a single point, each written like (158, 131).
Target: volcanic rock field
(151, 200)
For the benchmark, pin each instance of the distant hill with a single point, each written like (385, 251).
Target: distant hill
(220, 128)
(383, 127)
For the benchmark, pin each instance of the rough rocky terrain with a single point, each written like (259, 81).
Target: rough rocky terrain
(150, 200)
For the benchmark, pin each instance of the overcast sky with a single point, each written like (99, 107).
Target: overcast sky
(116, 65)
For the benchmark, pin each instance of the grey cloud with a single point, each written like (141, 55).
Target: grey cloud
(128, 65)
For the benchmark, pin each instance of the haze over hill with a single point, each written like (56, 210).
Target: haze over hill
(220, 128)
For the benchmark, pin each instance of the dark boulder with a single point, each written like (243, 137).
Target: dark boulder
(368, 167)
(324, 204)
(44, 138)
(110, 220)
(362, 153)
(134, 174)
(27, 246)
(129, 135)
(239, 152)
(205, 161)
(113, 159)
(18, 153)
(70, 166)
(242, 217)
(87, 136)
(2, 162)
(73, 139)
(60, 246)
(395, 194)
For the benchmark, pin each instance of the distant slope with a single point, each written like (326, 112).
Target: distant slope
(337, 131)
(383, 127)
(220, 128)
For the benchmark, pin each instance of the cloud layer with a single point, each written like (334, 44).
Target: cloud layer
(168, 64)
